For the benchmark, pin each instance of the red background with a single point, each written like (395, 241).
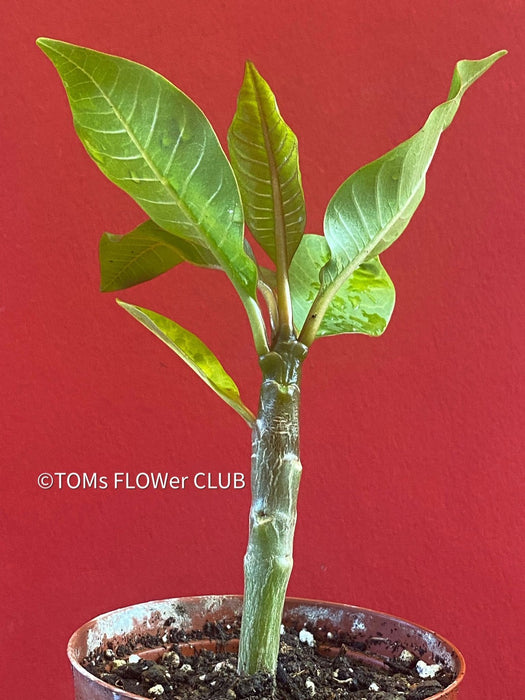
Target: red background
(411, 444)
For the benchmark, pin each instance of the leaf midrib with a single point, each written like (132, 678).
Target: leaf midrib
(361, 257)
(350, 269)
(279, 230)
(330, 290)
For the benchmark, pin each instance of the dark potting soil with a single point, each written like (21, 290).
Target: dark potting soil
(202, 665)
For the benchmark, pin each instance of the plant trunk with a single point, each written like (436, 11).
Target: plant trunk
(276, 472)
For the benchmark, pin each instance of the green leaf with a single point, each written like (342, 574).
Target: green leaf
(145, 253)
(195, 353)
(373, 207)
(263, 152)
(363, 304)
(151, 140)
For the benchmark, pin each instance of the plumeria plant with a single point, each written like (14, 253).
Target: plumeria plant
(152, 141)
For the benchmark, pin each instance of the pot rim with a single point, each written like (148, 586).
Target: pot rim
(71, 646)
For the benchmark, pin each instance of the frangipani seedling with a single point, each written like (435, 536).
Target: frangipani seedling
(153, 142)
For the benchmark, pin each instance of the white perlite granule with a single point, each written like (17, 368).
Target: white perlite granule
(156, 690)
(306, 638)
(310, 686)
(406, 656)
(427, 670)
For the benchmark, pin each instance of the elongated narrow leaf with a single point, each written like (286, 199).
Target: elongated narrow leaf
(151, 140)
(195, 353)
(373, 207)
(263, 152)
(363, 304)
(145, 253)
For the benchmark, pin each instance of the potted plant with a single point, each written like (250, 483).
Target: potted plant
(153, 142)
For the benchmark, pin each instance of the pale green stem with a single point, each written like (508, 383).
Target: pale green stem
(276, 472)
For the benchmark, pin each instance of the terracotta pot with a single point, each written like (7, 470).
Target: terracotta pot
(383, 634)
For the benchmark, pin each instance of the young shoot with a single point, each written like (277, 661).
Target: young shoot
(152, 141)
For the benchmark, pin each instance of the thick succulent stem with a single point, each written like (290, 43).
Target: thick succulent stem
(276, 472)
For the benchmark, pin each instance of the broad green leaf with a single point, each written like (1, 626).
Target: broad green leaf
(195, 353)
(263, 153)
(373, 207)
(151, 140)
(363, 304)
(145, 253)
